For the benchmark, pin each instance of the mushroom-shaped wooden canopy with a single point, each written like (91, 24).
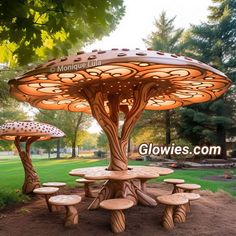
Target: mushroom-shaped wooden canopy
(25, 129)
(178, 80)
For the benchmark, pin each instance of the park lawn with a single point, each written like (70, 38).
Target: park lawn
(12, 175)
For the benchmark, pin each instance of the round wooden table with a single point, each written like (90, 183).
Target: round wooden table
(116, 186)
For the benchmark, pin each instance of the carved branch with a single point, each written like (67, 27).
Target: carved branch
(109, 125)
(17, 144)
(114, 105)
(29, 142)
(31, 179)
(141, 96)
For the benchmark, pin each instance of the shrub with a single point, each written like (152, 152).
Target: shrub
(10, 196)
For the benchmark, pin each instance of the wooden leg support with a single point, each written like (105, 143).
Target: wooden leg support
(117, 221)
(105, 193)
(187, 206)
(167, 219)
(87, 190)
(48, 204)
(51, 208)
(122, 189)
(176, 189)
(143, 184)
(71, 216)
(180, 214)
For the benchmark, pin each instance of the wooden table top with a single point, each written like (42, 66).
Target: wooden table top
(134, 172)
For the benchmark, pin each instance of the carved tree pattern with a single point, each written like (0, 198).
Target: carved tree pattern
(31, 178)
(109, 121)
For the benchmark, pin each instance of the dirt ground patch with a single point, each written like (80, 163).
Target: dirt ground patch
(214, 214)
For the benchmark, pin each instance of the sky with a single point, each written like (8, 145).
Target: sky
(139, 18)
(138, 24)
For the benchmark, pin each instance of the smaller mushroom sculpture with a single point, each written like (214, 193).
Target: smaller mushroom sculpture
(28, 132)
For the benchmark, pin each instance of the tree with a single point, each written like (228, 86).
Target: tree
(102, 141)
(30, 30)
(69, 122)
(10, 111)
(48, 145)
(86, 140)
(214, 43)
(168, 39)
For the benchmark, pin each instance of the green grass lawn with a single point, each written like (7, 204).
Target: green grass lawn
(12, 175)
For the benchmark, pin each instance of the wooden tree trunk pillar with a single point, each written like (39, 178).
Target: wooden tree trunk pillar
(167, 219)
(31, 178)
(109, 122)
(180, 213)
(117, 221)
(72, 216)
(176, 189)
(122, 189)
(51, 208)
(87, 190)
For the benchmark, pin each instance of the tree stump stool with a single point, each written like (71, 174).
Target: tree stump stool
(116, 206)
(188, 188)
(69, 202)
(87, 187)
(174, 182)
(191, 197)
(47, 192)
(171, 201)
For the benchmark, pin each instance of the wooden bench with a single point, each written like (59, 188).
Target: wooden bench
(170, 202)
(117, 216)
(69, 202)
(87, 186)
(191, 197)
(174, 182)
(188, 188)
(47, 192)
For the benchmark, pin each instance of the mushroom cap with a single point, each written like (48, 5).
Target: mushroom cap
(11, 130)
(59, 83)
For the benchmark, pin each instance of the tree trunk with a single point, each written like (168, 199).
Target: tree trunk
(75, 135)
(129, 148)
(58, 148)
(73, 149)
(109, 122)
(221, 140)
(168, 133)
(31, 178)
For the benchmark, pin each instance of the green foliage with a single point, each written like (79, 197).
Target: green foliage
(47, 145)
(40, 29)
(10, 196)
(10, 111)
(69, 122)
(166, 37)
(102, 141)
(213, 43)
(86, 140)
